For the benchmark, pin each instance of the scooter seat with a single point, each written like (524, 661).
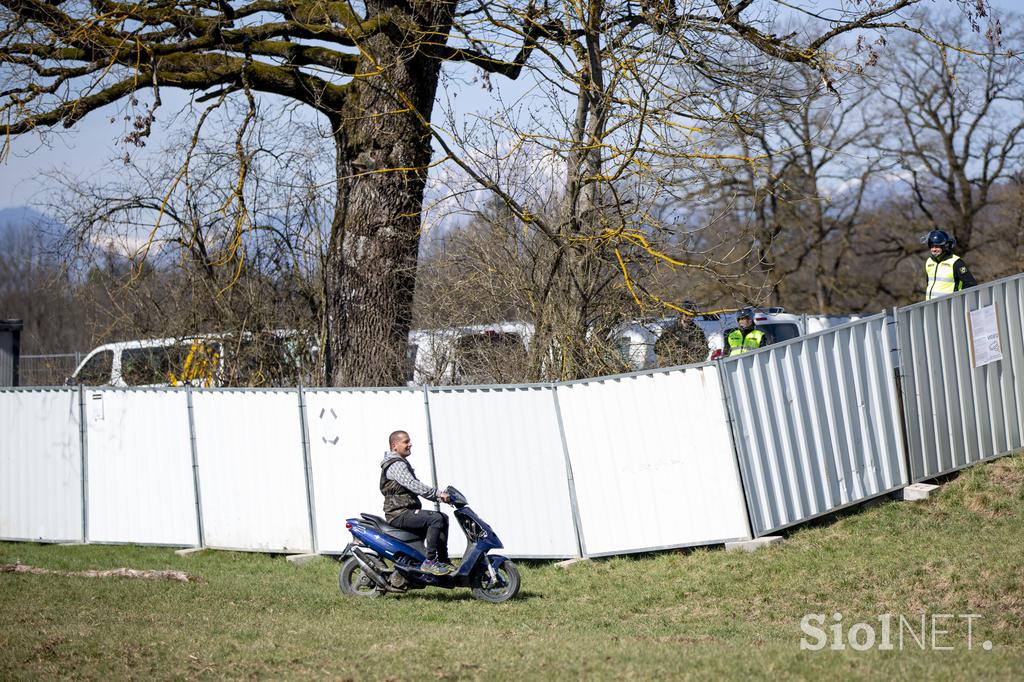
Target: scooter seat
(386, 528)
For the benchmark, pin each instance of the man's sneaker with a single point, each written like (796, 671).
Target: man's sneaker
(436, 567)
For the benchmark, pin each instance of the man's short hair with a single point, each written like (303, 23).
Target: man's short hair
(393, 438)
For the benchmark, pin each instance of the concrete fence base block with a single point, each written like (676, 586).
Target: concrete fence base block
(916, 491)
(188, 551)
(751, 545)
(300, 559)
(570, 562)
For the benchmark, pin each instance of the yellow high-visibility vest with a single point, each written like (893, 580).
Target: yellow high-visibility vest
(940, 278)
(741, 344)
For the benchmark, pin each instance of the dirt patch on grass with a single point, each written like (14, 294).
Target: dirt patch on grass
(988, 505)
(990, 490)
(1008, 474)
(46, 650)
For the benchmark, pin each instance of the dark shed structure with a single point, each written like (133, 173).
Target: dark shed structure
(10, 351)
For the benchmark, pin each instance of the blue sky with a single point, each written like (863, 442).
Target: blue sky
(93, 149)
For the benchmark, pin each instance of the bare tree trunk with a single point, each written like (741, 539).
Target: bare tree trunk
(383, 154)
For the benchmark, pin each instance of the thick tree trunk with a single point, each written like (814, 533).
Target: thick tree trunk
(383, 153)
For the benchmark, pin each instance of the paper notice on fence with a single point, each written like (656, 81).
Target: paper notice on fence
(983, 325)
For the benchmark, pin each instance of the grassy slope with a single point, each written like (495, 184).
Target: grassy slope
(666, 616)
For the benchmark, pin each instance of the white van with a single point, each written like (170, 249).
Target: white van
(476, 354)
(275, 358)
(153, 362)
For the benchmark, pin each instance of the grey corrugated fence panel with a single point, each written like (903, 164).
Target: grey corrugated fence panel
(139, 470)
(251, 470)
(652, 461)
(816, 422)
(502, 448)
(348, 436)
(40, 465)
(957, 414)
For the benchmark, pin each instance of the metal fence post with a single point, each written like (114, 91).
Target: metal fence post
(430, 442)
(577, 523)
(308, 462)
(195, 464)
(896, 353)
(83, 439)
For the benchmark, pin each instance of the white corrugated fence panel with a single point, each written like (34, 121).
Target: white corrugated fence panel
(652, 461)
(817, 423)
(40, 465)
(958, 414)
(502, 448)
(140, 483)
(348, 437)
(252, 481)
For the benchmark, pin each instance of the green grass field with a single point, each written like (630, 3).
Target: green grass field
(667, 616)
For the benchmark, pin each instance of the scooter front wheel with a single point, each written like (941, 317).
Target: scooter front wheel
(354, 582)
(496, 591)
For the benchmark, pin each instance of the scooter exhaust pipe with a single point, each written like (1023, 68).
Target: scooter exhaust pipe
(370, 572)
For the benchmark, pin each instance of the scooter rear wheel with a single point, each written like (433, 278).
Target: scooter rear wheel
(506, 587)
(354, 582)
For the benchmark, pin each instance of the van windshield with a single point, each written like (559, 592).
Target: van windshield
(782, 332)
(96, 372)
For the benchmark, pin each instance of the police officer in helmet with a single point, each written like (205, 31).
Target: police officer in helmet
(945, 271)
(746, 336)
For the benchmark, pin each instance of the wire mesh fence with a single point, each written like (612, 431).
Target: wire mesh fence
(47, 370)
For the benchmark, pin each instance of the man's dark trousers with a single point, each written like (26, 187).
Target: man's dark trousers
(431, 524)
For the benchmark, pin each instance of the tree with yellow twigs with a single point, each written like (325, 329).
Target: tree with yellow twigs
(604, 169)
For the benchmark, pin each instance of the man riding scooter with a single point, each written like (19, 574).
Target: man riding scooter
(384, 559)
(402, 508)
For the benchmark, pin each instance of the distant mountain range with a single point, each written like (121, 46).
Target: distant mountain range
(24, 216)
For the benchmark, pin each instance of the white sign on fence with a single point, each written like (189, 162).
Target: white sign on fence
(983, 326)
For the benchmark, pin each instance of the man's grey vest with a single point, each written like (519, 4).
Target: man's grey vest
(397, 498)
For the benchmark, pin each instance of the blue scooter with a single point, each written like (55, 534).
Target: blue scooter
(382, 559)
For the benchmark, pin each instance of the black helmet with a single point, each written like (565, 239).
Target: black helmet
(746, 312)
(941, 239)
